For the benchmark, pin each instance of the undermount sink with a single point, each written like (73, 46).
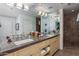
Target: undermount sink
(49, 35)
(23, 41)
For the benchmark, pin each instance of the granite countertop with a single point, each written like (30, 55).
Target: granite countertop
(17, 47)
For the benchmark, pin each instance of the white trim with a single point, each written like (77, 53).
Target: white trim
(61, 29)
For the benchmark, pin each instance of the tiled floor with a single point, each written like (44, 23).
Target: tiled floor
(68, 52)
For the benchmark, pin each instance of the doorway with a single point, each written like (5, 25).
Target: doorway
(71, 31)
(38, 24)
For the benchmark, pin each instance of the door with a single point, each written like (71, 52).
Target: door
(38, 24)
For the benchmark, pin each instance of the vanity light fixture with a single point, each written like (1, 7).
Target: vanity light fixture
(10, 4)
(42, 13)
(19, 6)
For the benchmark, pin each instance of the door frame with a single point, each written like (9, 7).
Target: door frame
(61, 29)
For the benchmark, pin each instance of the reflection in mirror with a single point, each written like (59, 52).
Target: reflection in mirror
(17, 26)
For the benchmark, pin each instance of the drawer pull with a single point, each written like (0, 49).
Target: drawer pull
(45, 50)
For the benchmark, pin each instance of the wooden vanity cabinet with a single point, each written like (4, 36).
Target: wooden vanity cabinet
(54, 45)
(35, 49)
(28, 51)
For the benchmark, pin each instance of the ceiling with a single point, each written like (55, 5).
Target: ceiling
(35, 7)
(52, 7)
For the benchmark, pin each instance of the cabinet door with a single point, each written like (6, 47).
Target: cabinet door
(54, 42)
(28, 51)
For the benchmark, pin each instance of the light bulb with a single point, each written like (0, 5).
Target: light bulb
(46, 14)
(39, 13)
(43, 13)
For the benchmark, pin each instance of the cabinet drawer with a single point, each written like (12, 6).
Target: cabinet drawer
(55, 44)
(43, 44)
(52, 40)
(28, 51)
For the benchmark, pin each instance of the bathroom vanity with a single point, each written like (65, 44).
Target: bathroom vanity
(41, 25)
(39, 47)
